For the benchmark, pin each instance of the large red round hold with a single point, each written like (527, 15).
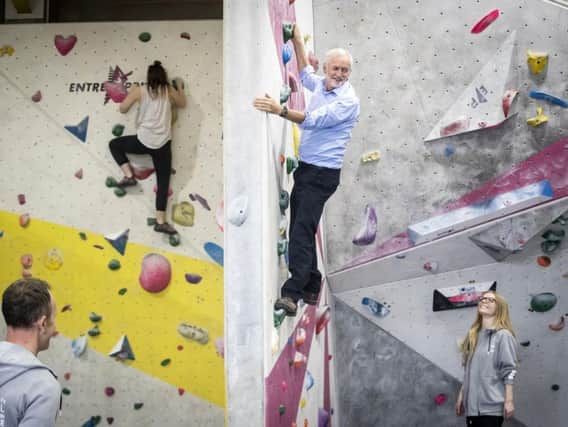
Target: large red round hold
(156, 273)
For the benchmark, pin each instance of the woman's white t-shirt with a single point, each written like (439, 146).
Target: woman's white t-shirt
(154, 119)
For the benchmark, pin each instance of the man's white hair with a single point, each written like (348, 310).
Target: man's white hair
(338, 51)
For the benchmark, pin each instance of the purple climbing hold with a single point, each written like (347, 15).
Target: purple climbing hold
(194, 279)
(323, 418)
(368, 230)
(202, 201)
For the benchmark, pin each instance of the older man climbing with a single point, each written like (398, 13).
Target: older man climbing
(326, 130)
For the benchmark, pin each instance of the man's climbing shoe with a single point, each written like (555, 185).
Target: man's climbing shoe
(165, 228)
(126, 182)
(310, 298)
(287, 304)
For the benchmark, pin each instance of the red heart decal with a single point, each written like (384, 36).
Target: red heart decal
(64, 44)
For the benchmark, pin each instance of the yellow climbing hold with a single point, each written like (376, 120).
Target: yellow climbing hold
(6, 50)
(538, 119)
(302, 403)
(53, 259)
(537, 61)
(371, 156)
(296, 136)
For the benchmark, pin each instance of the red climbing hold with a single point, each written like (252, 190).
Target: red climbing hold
(21, 199)
(109, 391)
(485, 21)
(24, 220)
(181, 391)
(79, 174)
(67, 376)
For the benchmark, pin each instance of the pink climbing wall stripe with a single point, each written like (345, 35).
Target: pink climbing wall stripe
(282, 11)
(294, 378)
(551, 163)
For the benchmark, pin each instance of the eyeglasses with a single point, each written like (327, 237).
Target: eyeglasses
(487, 299)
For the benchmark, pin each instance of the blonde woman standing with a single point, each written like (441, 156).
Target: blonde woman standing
(490, 360)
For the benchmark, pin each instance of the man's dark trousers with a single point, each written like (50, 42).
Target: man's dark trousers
(313, 185)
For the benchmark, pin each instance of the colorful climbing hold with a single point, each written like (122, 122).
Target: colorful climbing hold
(557, 326)
(543, 302)
(300, 337)
(183, 214)
(282, 409)
(21, 199)
(24, 220)
(440, 399)
(145, 37)
(156, 273)
(286, 53)
(142, 173)
(79, 345)
(238, 210)
(6, 50)
(66, 307)
(543, 261)
(538, 119)
(94, 332)
(284, 200)
(371, 156)
(94, 317)
(284, 386)
(535, 94)
(194, 279)
(537, 61)
(80, 130)
(174, 239)
(285, 92)
(193, 332)
(119, 192)
(220, 215)
(122, 291)
(92, 422)
(122, 350)
(282, 247)
(220, 347)
(109, 391)
(554, 235)
(562, 220)
(375, 307)
(118, 129)
(215, 252)
(138, 406)
(181, 391)
(202, 200)
(118, 240)
(79, 174)
(549, 246)
(65, 391)
(116, 91)
(185, 35)
(287, 31)
(431, 266)
(291, 164)
(64, 44)
(36, 97)
(278, 317)
(525, 343)
(110, 182)
(555, 387)
(110, 420)
(179, 347)
(449, 150)
(53, 259)
(484, 22)
(508, 98)
(309, 380)
(368, 231)
(67, 376)
(165, 362)
(323, 316)
(114, 264)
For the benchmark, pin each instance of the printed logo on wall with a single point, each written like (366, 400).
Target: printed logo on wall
(461, 296)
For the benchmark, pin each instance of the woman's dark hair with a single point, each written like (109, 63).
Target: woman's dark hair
(25, 301)
(157, 79)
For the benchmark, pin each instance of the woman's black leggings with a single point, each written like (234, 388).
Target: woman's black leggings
(161, 157)
(485, 421)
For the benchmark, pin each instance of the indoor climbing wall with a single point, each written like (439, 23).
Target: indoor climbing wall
(293, 354)
(454, 183)
(140, 315)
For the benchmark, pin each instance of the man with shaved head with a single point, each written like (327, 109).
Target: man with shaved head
(326, 130)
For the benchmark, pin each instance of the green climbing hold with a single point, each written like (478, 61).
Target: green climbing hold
(543, 302)
(285, 92)
(287, 31)
(549, 246)
(562, 220)
(278, 317)
(114, 264)
(291, 164)
(93, 332)
(284, 200)
(122, 291)
(66, 391)
(175, 240)
(554, 235)
(110, 182)
(83, 236)
(138, 405)
(94, 317)
(282, 246)
(145, 37)
(150, 221)
(118, 130)
(119, 192)
(281, 409)
(165, 362)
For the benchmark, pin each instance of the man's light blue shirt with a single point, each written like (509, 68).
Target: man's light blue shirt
(330, 117)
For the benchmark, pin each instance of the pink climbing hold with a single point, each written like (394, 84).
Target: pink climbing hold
(457, 126)
(64, 44)
(284, 386)
(508, 98)
(21, 199)
(181, 391)
(220, 347)
(368, 231)
(24, 220)
(323, 318)
(142, 174)
(220, 215)
(431, 266)
(109, 391)
(440, 399)
(79, 174)
(156, 273)
(36, 97)
(115, 91)
(485, 22)
(299, 360)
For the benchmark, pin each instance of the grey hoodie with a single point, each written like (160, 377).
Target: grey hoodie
(494, 364)
(30, 395)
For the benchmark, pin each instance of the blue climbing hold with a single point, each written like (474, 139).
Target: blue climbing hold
(80, 131)
(118, 241)
(375, 307)
(449, 150)
(215, 252)
(286, 53)
(535, 94)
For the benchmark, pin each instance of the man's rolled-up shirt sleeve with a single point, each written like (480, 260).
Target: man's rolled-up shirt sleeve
(309, 78)
(330, 114)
